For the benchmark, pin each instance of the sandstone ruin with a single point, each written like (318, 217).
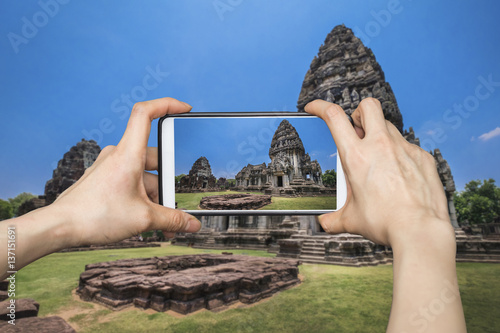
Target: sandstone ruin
(186, 283)
(291, 171)
(235, 202)
(199, 179)
(344, 72)
(69, 169)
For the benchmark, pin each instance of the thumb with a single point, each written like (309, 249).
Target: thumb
(332, 222)
(173, 220)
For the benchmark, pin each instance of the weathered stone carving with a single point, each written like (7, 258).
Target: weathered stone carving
(199, 179)
(186, 283)
(291, 171)
(26, 320)
(71, 167)
(235, 201)
(344, 67)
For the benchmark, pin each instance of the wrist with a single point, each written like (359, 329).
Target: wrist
(430, 234)
(51, 226)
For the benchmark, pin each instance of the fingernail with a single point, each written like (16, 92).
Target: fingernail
(187, 105)
(193, 225)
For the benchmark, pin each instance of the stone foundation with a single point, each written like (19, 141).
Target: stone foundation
(186, 284)
(235, 202)
(342, 249)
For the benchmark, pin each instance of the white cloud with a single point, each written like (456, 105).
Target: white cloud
(333, 155)
(490, 135)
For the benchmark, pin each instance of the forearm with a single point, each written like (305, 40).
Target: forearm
(34, 235)
(425, 294)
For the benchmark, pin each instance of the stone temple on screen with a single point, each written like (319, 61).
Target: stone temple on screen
(291, 171)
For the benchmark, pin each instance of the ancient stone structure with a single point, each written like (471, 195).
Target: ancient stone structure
(199, 179)
(235, 202)
(71, 168)
(186, 283)
(291, 171)
(26, 320)
(342, 249)
(50, 324)
(345, 72)
(446, 177)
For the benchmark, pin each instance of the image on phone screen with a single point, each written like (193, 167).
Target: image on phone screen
(269, 163)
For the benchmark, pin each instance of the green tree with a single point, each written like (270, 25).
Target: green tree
(329, 178)
(18, 201)
(479, 202)
(230, 182)
(6, 211)
(178, 178)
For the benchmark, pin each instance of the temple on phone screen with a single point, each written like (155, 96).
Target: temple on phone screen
(254, 163)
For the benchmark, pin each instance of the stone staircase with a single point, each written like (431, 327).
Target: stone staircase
(342, 249)
(313, 248)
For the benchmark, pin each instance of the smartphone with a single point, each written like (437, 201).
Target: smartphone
(249, 163)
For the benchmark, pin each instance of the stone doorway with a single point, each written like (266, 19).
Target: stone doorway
(280, 181)
(204, 185)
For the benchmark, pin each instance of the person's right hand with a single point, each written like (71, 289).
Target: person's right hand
(393, 186)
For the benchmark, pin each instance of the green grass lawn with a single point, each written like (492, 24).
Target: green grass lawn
(299, 203)
(330, 299)
(191, 201)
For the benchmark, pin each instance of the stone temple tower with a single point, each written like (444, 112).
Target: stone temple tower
(289, 162)
(345, 72)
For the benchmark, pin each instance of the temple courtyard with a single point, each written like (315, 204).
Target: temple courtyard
(191, 201)
(329, 299)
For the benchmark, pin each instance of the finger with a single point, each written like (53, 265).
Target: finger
(369, 116)
(151, 186)
(359, 131)
(331, 222)
(174, 220)
(337, 121)
(168, 235)
(151, 158)
(394, 132)
(139, 125)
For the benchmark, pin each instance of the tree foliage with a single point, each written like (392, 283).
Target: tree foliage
(329, 178)
(178, 178)
(6, 211)
(19, 200)
(479, 202)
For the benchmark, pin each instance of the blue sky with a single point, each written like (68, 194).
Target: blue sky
(231, 144)
(76, 71)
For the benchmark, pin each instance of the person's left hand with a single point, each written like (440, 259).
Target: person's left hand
(116, 198)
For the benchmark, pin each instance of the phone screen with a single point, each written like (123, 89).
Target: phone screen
(254, 163)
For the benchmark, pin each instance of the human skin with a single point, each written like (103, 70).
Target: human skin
(114, 199)
(395, 198)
